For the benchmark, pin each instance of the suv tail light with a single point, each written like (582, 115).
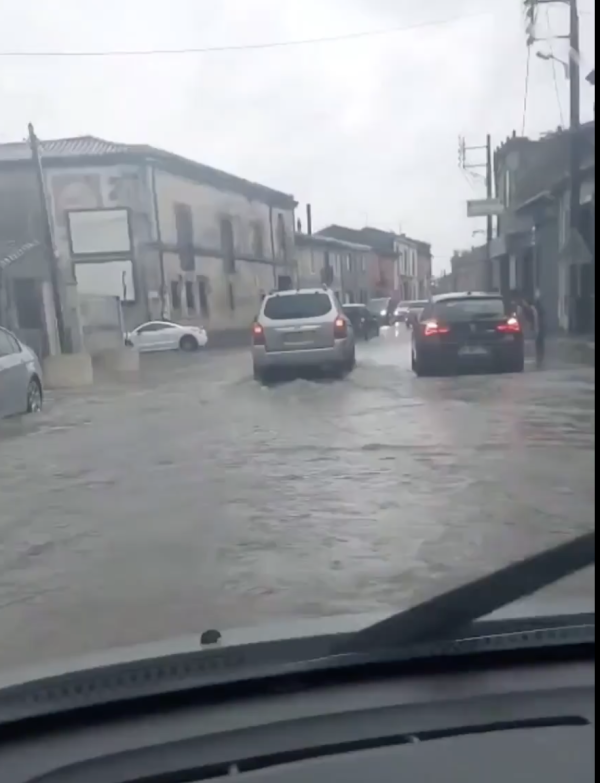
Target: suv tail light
(340, 328)
(512, 326)
(258, 335)
(432, 328)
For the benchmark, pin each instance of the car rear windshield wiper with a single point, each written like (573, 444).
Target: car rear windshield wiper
(442, 617)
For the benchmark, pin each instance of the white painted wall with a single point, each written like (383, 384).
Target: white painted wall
(209, 206)
(310, 261)
(97, 187)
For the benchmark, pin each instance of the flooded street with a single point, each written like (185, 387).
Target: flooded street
(198, 498)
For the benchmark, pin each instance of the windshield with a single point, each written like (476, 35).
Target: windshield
(242, 178)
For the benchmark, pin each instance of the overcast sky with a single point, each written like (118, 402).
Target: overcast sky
(366, 129)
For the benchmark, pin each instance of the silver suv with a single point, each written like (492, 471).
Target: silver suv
(299, 329)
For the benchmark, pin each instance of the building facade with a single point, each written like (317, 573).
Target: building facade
(171, 237)
(345, 266)
(535, 248)
(406, 277)
(26, 299)
(424, 269)
(469, 269)
(400, 267)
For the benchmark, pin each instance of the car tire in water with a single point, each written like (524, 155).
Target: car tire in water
(261, 376)
(420, 368)
(188, 343)
(34, 396)
(516, 365)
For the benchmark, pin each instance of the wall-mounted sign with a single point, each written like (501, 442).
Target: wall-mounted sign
(99, 232)
(484, 207)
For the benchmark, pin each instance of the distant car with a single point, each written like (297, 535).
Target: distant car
(414, 310)
(400, 312)
(364, 323)
(166, 336)
(303, 328)
(465, 330)
(21, 387)
(382, 309)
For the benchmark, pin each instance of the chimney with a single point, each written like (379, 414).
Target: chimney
(299, 226)
(308, 219)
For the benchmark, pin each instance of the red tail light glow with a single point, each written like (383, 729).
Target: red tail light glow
(340, 328)
(258, 335)
(432, 328)
(512, 326)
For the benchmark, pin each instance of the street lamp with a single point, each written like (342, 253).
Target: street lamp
(550, 57)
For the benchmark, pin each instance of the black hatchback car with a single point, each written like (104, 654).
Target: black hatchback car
(463, 331)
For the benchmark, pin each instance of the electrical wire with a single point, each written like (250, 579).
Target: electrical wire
(244, 47)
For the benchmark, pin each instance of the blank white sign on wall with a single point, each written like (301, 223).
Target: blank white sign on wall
(106, 278)
(99, 231)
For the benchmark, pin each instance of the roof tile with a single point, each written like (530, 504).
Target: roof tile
(91, 146)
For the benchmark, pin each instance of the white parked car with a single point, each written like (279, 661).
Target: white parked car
(166, 336)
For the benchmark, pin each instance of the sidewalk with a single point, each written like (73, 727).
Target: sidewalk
(576, 348)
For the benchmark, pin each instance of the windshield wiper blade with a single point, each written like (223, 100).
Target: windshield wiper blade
(439, 618)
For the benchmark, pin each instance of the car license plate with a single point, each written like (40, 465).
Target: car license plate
(298, 337)
(473, 350)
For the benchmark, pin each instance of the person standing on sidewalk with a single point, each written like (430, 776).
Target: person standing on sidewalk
(539, 322)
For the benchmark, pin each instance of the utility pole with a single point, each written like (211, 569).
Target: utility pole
(49, 242)
(574, 108)
(574, 118)
(463, 151)
(490, 220)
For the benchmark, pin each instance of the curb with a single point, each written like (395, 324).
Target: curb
(572, 349)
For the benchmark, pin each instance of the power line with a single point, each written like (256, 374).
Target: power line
(526, 95)
(244, 47)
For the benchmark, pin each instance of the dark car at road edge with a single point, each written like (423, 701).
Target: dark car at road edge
(461, 331)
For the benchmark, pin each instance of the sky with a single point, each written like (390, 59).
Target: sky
(365, 128)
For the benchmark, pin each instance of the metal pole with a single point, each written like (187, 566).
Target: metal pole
(489, 181)
(574, 138)
(63, 340)
(161, 255)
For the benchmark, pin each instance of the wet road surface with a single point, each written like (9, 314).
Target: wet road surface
(196, 498)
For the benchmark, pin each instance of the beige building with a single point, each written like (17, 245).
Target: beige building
(406, 277)
(171, 237)
(345, 266)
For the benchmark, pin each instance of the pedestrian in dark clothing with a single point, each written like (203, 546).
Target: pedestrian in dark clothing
(539, 315)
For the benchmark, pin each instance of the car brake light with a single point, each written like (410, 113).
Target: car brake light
(258, 335)
(432, 328)
(512, 325)
(340, 328)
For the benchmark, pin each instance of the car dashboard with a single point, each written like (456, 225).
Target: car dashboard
(529, 721)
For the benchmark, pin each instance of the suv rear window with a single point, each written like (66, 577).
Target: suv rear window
(293, 306)
(468, 309)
